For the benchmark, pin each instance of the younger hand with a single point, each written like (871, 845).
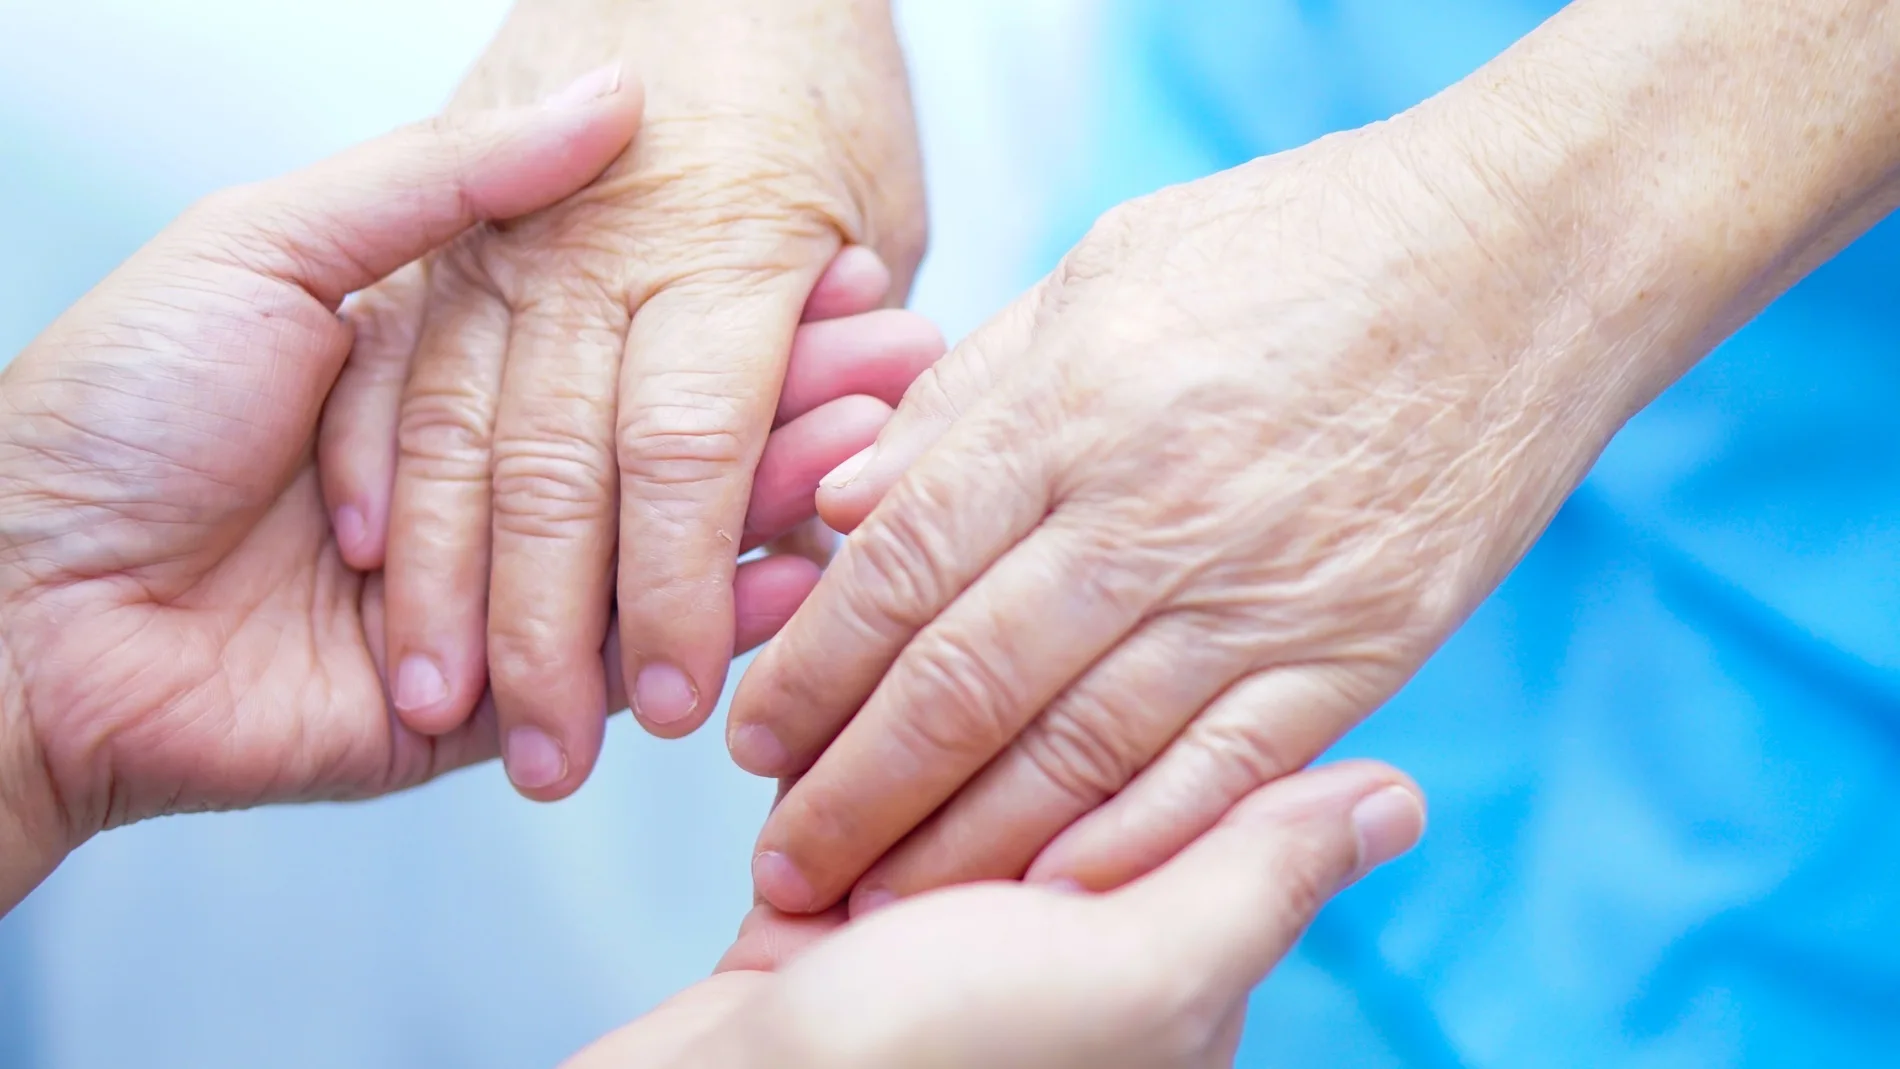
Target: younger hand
(177, 630)
(995, 976)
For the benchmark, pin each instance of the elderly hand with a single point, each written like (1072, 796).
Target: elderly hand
(177, 630)
(591, 388)
(1213, 491)
(1155, 975)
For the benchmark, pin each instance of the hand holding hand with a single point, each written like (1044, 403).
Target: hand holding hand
(177, 630)
(591, 389)
(997, 976)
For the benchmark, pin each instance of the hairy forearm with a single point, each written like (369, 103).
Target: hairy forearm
(1684, 162)
(32, 840)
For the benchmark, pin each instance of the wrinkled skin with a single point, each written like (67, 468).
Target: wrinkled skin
(1171, 525)
(591, 389)
(1154, 976)
(177, 629)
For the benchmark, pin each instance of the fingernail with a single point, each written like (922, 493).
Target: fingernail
(842, 475)
(868, 902)
(419, 683)
(757, 750)
(588, 87)
(663, 695)
(533, 759)
(349, 526)
(1067, 886)
(1388, 823)
(781, 884)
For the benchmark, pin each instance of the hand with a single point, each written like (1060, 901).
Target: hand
(177, 631)
(849, 364)
(596, 384)
(1170, 526)
(1155, 975)
(1219, 486)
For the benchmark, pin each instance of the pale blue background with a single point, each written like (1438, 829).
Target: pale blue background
(1664, 760)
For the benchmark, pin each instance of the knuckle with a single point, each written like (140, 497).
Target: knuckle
(1076, 747)
(545, 486)
(890, 565)
(681, 444)
(1103, 250)
(526, 658)
(1245, 753)
(964, 703)
(934, 393)
(445, 434)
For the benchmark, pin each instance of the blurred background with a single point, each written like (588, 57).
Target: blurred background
(1664, 760)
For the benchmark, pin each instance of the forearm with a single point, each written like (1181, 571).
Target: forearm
(546, 43)
(1684, 162)
(32, 841)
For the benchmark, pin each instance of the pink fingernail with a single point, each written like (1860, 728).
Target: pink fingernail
(419, 683)
(779, 882)
(533, 759)
(842, 475)
(757, 750)
(663, 695)
(350, 527)
(587, 88)
(868, 902)
(1388, 823)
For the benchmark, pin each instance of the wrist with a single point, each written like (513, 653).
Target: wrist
(545, 44)
(1680, 164)
(33, 841)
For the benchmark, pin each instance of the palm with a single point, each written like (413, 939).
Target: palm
(225, 658)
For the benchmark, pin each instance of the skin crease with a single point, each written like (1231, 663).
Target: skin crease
(590, 389)
(1209, 494)
(1002, 975)
(178, 631)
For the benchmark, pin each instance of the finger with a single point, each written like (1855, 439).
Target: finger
(1269, 725)
(1233, 903)
(878, 354)
(698, 389)
(930, 407)
(343, 224)
(856, 282)
(765, 594)
(356, 441)
(811, 540)
(955, 698)
(769, 940)
(555, 500)
(903, 571)
(798, 455)
(1075, 755)
(436, 564)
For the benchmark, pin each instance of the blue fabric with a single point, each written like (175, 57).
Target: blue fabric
(1664, 758)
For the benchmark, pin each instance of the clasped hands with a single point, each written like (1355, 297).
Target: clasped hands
(202, 461)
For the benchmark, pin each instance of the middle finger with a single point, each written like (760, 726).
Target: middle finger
(555, 523)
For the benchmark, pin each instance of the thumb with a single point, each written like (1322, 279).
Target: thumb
(1232, 904)
(349, 221)
(943, 392)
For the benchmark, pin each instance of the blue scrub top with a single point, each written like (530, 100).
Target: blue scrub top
(1664, 758)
